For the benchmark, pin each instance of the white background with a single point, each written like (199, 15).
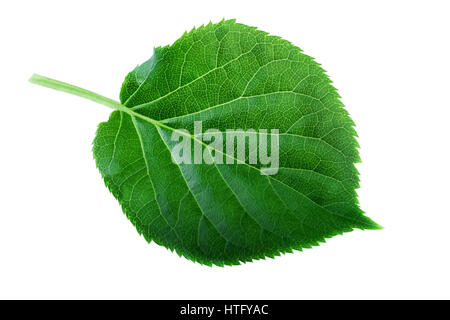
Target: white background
(63, 235)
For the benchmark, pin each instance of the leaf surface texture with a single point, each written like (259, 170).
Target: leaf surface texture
(229, 75)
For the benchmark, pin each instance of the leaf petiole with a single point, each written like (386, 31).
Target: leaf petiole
(69, 88)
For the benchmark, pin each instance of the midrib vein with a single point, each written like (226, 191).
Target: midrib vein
(161, 125)
(90, 95)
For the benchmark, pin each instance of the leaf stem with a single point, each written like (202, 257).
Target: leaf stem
(65, 87)
(69, 88)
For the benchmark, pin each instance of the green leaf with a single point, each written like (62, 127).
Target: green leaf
(230, 76)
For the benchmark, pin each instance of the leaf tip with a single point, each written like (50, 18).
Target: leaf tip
(369, 224)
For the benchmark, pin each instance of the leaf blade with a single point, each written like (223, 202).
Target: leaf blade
(230, 76)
